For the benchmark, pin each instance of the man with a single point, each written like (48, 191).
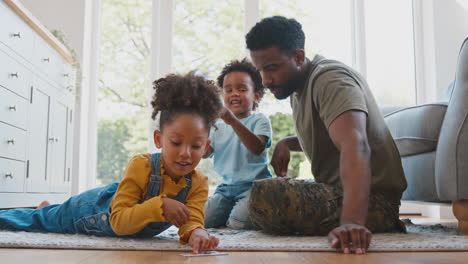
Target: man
(355, 162)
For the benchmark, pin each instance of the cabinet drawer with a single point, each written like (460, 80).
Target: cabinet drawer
(12, 142)
(48, 60)
(15, 33)
(12, 174)
(14, 76)
(13, 109)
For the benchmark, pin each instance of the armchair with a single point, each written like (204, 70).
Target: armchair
(433, 144)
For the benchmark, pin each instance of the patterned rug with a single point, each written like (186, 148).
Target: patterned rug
(419, 238)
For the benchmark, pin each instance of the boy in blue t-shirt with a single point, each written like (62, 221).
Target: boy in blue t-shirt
(239, 146)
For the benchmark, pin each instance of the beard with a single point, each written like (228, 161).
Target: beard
(283, 91)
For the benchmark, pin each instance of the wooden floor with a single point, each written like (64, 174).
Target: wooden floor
(35, 256)
(9, 256)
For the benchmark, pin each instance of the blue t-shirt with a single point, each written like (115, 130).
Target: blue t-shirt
(232, 160)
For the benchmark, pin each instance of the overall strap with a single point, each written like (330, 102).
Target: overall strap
(182, 195)
(155, 181)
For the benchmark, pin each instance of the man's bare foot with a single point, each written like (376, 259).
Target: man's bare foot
(43, 204)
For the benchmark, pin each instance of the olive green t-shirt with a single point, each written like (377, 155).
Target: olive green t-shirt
(333, 88)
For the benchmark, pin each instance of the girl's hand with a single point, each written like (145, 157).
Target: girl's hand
(201, 241)
(175, 212)
(227, 115)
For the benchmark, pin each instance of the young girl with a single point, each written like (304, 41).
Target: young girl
(158, 190)
(239, 146)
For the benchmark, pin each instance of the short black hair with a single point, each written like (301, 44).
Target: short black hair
(247, 67)
(179, 94)
(278, 31)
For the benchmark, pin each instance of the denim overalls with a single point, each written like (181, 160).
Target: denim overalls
(87, 213)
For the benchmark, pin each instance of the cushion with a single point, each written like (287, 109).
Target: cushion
(416, 129)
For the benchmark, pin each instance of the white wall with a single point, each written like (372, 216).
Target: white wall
(450, 29)
(79, 21)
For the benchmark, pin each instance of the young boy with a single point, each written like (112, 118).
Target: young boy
(239, 145)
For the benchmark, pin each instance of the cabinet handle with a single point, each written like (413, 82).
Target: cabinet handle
(16, 35)
(12, 108)
(11, 141)
(56, 139)
(66, 75)
(14, 75)
(46, 59)
(70, 88)
(9, 175)
(51, 139)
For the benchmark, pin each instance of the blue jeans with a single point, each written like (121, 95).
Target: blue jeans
(87, 213)
(228, 206)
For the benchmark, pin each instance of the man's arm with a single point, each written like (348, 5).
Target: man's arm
(292, 143)
(281, 155)
(348, 133)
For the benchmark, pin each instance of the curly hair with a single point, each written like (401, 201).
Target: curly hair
(247, 67)
(278, 31)
(176, 94)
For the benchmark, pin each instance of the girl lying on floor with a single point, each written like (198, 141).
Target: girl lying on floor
(158, 190)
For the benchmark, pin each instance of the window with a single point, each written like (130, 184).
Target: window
(390, 51)
(326, 24)
(123, 83)
(207, 35)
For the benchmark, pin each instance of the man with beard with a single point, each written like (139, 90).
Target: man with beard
(358, 175)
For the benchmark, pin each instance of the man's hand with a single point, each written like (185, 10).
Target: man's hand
(175, 212)
(349, 236)
(280, 158)
(227, 116)
(201, 241)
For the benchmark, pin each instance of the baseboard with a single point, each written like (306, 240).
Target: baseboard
(432, 210)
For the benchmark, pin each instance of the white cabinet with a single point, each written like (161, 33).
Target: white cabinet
(36, 109)
(57, 150)
(38, 141)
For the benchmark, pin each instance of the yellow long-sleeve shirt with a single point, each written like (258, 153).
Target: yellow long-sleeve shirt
(130, 213)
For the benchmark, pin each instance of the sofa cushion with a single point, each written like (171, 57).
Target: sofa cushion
(416, 129)
(419, 172)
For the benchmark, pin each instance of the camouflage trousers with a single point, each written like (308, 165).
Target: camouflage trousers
(288, 206)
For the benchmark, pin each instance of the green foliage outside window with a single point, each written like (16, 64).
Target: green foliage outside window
(112, 153)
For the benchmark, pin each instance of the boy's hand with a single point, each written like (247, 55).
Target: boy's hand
(350, 235)
(227, 116)
(175, 212)
(201, 241)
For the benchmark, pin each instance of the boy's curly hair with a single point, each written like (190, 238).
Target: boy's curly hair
(247, 67)
(176, 94)
(279, 31)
